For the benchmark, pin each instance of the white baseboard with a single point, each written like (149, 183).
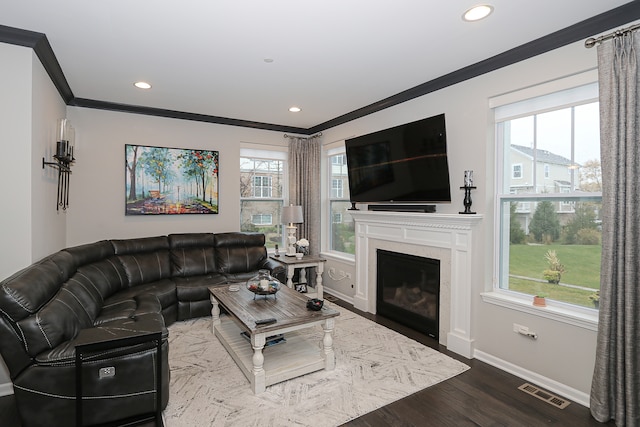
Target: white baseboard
(339, 295)
(547, 383)
(6, 389)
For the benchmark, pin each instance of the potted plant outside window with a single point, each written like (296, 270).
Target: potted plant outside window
(595, 299)
(555, 270)
(540, 300)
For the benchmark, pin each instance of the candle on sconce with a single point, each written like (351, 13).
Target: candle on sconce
(61, 148)
(468, 178)
(62, 129)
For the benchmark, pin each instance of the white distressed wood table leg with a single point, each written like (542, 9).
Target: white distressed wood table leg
(319, 288)
(258, 380)
(215, 313)
(327, 344)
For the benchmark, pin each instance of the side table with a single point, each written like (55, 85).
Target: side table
(293, 263)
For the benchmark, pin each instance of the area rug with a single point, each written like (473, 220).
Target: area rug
(374, 367)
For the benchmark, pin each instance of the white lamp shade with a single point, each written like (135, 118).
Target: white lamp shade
(292, 215)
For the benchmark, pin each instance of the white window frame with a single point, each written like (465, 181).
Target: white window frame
(582, 89)
(330, 150)
(269, 152)
(262, 187)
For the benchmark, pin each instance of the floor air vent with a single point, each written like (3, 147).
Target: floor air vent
(551, 399)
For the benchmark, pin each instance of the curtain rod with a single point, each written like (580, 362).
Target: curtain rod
(591, 42)
(304, 137)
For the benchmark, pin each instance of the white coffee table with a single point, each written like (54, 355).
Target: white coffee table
(264, 366)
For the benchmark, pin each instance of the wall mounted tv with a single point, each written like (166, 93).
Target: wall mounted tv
(406, 163)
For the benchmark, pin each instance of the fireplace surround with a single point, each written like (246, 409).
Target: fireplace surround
(452, 239)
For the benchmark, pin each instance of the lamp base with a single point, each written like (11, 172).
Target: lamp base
(291, 240)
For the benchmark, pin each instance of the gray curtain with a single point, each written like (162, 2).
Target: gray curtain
(304, 187)
(615, 389)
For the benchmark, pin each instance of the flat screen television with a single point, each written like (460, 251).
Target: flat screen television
(406, 163)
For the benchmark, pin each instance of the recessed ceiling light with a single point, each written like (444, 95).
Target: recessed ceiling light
(477, 13)
(142, 85)
(268, 60)
(294, 109)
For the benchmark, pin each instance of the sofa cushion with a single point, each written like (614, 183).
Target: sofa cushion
(196, 288)
(70, 310)
(192, 254)
(239, 252)
(28, 290)
(164, 290)
(101, 280)
(118, 309)
(91, 252)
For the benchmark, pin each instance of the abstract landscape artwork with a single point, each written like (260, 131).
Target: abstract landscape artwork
(170, 181)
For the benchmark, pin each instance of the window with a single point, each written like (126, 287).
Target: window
(517, 171)
(262, 189)
(262, 186)
(262, 219)
(337, 189)
(549, 238)
(341, 225)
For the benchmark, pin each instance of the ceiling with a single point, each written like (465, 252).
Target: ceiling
(250, 60)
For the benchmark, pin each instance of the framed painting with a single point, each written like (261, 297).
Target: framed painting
(170, 181)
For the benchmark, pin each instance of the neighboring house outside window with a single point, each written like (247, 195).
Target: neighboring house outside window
(549, 197)
(262, 189)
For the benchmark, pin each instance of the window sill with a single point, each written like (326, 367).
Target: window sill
(581, 317)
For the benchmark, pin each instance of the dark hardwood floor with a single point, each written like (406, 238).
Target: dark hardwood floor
(481, 396)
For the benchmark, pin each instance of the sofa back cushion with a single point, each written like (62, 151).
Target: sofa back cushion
(71, 309)
(192, 254)
(28, 290)
(144, 260)
(239, 252)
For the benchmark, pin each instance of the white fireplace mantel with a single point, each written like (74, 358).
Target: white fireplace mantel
(452, 238)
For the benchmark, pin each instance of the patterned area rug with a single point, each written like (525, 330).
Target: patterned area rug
(374, 367)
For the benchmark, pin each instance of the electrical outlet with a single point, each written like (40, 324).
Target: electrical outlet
(109, 371)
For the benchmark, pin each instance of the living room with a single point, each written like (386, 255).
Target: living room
(561, 359)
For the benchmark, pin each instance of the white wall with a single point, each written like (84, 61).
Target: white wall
(563, 353)
(98, 182)
(29, 108)
(15, 175)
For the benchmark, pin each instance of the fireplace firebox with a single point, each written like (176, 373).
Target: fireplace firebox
(408, 290)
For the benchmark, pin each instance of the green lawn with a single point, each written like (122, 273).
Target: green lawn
(582, 264)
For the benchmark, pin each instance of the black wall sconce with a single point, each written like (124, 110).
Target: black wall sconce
(63, 160)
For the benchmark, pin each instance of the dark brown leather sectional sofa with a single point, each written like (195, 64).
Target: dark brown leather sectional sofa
(109, 288)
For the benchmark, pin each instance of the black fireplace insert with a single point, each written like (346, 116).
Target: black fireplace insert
(408, 290)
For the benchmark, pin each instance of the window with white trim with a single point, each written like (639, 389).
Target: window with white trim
(340, 223)
(549, 233)
(262, 190)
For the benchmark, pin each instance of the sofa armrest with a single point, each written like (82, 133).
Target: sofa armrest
(99, 339)
(277, 269)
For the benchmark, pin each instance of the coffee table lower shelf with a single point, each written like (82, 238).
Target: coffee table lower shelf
(302, 353)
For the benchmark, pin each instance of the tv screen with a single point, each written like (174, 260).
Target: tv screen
(406, 163)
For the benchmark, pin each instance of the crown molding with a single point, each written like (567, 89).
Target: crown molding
(600, 23)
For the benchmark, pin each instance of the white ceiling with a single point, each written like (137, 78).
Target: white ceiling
(330, 57)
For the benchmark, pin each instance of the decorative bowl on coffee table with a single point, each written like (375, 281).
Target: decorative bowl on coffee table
(263, 284)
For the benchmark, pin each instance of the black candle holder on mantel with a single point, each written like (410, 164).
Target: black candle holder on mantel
(467, 199)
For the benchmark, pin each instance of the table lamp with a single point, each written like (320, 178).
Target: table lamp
(291, 215)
